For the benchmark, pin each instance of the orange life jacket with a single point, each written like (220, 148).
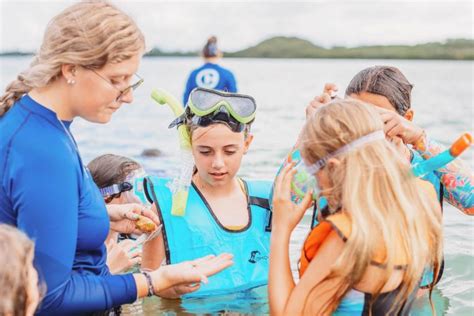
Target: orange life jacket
(341, 223)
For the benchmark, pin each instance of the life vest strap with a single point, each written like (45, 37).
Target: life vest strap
(258, 201)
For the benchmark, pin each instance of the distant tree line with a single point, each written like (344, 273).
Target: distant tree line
(293, 47)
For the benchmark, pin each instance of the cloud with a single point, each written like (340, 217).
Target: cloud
(184, 26)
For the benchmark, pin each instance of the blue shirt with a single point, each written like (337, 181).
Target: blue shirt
(210, 76)
(46, 192)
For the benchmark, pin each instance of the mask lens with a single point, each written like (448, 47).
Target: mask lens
(202, 121)
(242, 106)
(137, 195)
(303, 181)
(207, 101)
(204, 100)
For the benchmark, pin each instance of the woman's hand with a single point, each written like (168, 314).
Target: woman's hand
(397, 125)
(123, 217)
(177, 291)
(189, 273)
(121, 256)
(287, 214)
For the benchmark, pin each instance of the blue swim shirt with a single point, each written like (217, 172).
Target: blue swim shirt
(47, 193)
(210, 76)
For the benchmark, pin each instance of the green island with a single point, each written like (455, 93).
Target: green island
(293, 47)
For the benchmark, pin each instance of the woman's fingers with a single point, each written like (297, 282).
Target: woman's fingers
(132, 210)
(178, 290)
(184, 289)
(136, 208)
(131, 215)
(151, 215)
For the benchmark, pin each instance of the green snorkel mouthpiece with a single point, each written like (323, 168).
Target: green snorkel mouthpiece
(180, 185)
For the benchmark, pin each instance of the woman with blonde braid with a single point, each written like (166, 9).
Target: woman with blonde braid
(368, 256)
(85, 68)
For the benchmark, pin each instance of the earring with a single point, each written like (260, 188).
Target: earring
(71, 81)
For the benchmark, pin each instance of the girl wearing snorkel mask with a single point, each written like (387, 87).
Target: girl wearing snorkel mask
(368, 255)
(224, 213)
(120, 181)
(389, 91)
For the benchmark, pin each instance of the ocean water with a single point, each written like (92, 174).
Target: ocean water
(443, 104)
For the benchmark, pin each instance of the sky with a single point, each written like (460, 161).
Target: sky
(185, 25)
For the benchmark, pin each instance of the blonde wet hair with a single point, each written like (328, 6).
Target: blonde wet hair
(16, 260)
(384, 201)
(89, 34)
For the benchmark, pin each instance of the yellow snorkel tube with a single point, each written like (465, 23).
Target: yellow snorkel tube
(180, 185)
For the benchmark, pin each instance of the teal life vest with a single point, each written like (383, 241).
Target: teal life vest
(428, 276)
(199, 233)
(430, 177)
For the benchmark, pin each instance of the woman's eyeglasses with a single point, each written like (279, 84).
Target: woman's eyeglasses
(124, 91)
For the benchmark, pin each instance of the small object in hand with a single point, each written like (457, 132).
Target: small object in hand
(145, 224)
(154, 234)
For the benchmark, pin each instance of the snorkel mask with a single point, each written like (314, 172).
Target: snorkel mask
(206, 106)
(305, 180)
(132, 188)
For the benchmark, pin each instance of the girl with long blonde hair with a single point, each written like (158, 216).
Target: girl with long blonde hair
(369, 255)
(85, 68)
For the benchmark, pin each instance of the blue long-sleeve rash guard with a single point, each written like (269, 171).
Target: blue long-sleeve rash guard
(46, 192)
(211, 76)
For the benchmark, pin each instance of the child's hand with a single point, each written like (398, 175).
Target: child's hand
(331, 89)
(397, 125)
(401, 147)
(328, 94)
(287, 214)
(122, 256)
